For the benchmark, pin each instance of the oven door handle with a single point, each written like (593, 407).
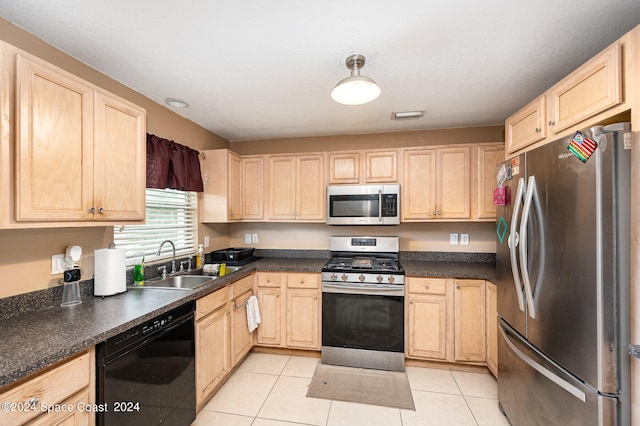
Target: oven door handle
(379, 205)
(380, 289)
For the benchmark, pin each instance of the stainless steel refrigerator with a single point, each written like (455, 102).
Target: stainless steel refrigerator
(563, 282)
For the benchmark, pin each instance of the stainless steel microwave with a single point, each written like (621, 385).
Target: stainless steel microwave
(363, 204)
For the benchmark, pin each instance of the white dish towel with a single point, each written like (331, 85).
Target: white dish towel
(253, 313)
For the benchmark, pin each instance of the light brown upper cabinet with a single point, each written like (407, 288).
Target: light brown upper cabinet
(296, 187)
(252, 187)
(359, 167)
(592, 88)
(221, 200)
(436, 184)
(79, 152)
(595, 87)
(526, 126)
(488, 158)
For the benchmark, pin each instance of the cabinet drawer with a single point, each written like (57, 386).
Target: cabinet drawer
(211, 302)
(269, 279)
(303, 280)
(242, 286)
(427, 285)
(51, 387)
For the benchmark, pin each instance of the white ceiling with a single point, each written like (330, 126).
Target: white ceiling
(264, 69)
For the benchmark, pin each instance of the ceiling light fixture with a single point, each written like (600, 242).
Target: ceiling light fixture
(407, 115)
(176, 103)
(355, 89)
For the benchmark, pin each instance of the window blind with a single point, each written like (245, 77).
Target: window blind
(170, 215)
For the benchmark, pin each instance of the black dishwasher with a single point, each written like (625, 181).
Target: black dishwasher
(146, 375)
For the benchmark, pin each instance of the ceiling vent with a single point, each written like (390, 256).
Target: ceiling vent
(407, 115)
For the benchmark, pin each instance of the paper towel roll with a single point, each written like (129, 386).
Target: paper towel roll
(110, 272)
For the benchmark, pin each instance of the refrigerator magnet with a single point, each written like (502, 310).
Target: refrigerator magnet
(582, 147)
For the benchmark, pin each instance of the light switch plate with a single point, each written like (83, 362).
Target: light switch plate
(254, 238)
(453, 238)
(247, 238)
(464, 239)
(57, 264)
(206, 241)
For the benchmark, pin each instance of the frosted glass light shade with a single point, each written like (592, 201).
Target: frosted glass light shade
(355, 90)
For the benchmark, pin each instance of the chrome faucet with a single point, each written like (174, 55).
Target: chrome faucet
(173, 255)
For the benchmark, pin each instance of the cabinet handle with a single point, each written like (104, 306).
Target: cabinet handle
(426, 286)
(315, 298)
(439, 212)
(92, 210)
(552, 123)
(34, 400)
(411, 302)
(458, 287)
(278, 295)
(100, 210)
(433, 213)
(537, 130)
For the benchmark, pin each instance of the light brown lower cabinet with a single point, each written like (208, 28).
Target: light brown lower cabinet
(241, 339)
(492, 328)
(469, 313)
(427, 318)
(448, 320)
(222, 336)
(71, 383)
(213, 343)
(289, 309)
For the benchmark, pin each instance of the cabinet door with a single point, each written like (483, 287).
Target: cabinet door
(453, 194)
(282, 187)
(303, 319)
(427, 327)
(241, 339)
(271, 313)
(489, 156)
(310, 188)
(592, 88)
(344, 167)
(235, 186)
(470, 320)
(119, 159)
(381, 166)
(54, 144)
(74, 417)
(252, 188)
(418, 185)
(492, 329)
(526, 126)
(213, 352)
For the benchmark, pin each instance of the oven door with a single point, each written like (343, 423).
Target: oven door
(362, 316)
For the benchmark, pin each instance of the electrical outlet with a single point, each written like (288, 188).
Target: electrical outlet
(57, 264)
(247, 238)
(254, 238)
(464, 239)
(206, 241)
(453, 238)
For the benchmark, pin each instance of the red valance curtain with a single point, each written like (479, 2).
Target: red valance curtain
(171, 165)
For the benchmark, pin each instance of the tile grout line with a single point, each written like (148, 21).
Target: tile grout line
(270, 390)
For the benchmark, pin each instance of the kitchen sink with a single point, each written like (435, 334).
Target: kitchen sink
(185, 282)
(182, 282)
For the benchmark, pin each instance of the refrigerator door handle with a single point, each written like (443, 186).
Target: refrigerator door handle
(513, 241)
(540, 368)
(531, 198)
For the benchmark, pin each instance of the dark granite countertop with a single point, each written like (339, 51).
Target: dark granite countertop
(36, 339)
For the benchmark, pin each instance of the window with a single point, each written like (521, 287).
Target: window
(170, 215)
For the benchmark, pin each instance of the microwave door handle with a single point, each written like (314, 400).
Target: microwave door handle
(514, 239)
(379, 205)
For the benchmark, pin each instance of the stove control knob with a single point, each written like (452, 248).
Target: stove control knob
(391, 279)
(361, 278)
(344, 277)
(334, 277)
(379, 278)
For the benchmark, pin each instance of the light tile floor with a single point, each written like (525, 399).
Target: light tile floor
(270, 390)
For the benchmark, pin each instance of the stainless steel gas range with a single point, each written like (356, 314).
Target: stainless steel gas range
(363, 304)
